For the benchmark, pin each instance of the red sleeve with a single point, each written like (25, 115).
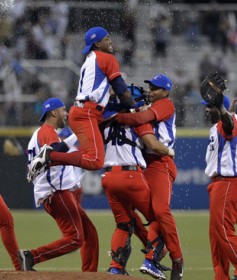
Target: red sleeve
(135, 119)
(222, 132)
(163, 109)
(47, 135)
(144, 129)
(108, 64)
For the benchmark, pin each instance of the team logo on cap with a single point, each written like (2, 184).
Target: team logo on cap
(47, 105)
(168, 85)
(93, 36)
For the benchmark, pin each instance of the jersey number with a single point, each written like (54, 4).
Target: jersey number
(117, 135)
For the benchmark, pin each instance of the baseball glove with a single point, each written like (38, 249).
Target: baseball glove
(212, 88)
(12, 147)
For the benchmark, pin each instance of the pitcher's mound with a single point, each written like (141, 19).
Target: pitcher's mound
(39, 275)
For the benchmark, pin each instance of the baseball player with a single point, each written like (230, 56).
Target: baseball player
(99, 72)
(161, 170)
(54, 189)
(221, 168)
(233, 109)
(127, 188)
(8, 234)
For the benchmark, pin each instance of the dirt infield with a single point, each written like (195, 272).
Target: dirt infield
(13, 275)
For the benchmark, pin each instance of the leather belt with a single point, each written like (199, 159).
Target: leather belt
(123, 168)
(88, 104)
(153, 157)
(223, 178)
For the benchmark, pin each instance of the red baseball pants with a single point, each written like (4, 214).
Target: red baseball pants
(126, 190)
(223, 217)
(66, 212)
(8, 234)
(90, 248)
(160, 175)
(84, 122)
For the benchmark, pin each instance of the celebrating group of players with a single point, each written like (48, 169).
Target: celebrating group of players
(115, 142)
(129, 133)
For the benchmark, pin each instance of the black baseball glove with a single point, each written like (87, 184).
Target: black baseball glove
(212, 88)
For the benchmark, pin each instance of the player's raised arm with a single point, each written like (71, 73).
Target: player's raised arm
(121, 90)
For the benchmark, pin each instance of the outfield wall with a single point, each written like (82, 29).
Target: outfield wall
(189, 192)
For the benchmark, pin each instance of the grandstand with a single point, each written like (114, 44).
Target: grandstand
(21, 99)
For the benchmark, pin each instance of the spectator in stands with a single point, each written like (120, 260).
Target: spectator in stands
(232, 36)
(206, 65)
(59, 15)
(224, 28)
(210, 24)
(161, 35)
(59, 18)
(129, 32)
(42, 42)
(181, 83)
(160, 24)
(193, 26)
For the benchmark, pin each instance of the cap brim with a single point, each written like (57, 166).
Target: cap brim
(87, 49)
(203, 102)
(42, 118)
(150, 82)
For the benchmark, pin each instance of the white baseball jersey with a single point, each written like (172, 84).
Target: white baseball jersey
(164, 127)
(123, 146)
(56, 177)
(221, 155)
(98, 69)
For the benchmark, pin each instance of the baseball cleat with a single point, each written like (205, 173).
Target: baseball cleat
(38, 163)
(177, 270)
(115, 270)
(26, 260)
(149, 267)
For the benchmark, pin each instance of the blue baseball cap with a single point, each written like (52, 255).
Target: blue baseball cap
(137, 92)
(226, 102)
(160, 81)
(49, 105)
(93, 35)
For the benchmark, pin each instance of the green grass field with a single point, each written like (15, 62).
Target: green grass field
(35, 228)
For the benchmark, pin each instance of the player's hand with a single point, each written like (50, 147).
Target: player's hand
(144, 108)
(171, 153)
(119, 117)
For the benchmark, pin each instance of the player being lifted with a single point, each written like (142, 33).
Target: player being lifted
(100, 71)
